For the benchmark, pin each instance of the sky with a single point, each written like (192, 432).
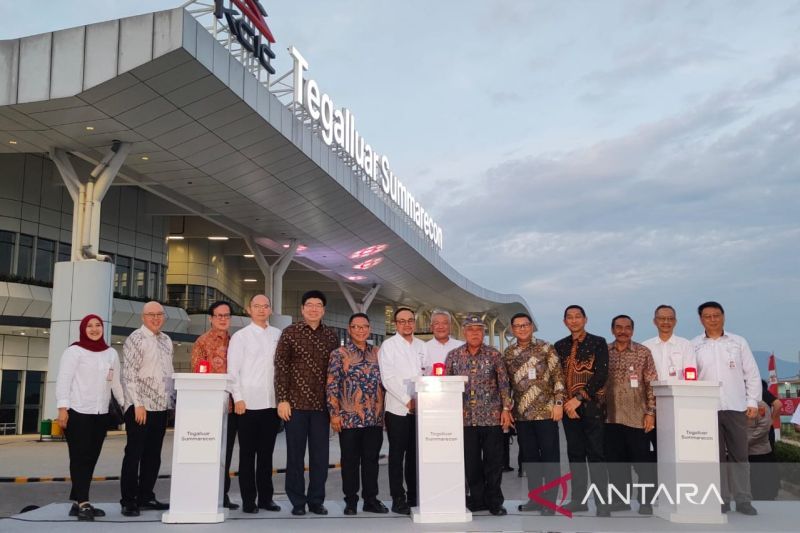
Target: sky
(616, 154)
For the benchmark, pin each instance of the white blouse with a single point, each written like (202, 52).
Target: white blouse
(86, 380)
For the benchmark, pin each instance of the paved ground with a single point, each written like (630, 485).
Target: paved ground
(24, 456)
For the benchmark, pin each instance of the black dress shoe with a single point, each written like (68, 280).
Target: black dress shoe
(619, 506)
(350, 509)
(476, 507)
(130, 510)
(725, 508)
(507, 469)
(645, 509)
(498, 511)
(317, 508)
(400, 506)
(249, 509)
(73, 511)
(603, 511)
(576, 507)
(746, 508)
(86, 513)
(529, 507)
(270, 506)
(299, 510)
(228, 504)
(374, 506)
(153, 505)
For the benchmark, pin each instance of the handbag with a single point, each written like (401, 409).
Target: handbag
(115, 414)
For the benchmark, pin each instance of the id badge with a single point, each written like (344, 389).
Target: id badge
(531, 373)
(673, 372)
(634, 381)
(110, 376)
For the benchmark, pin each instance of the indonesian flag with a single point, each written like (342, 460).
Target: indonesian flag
(773, 388)
(773, 376)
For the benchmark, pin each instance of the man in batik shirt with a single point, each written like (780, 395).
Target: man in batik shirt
(631, 413)
(355, 404)
(487, 412)
(212, 346)
(534, 370)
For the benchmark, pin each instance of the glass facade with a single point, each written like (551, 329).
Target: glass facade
(198, 297)
(45, 259)
(9, 400)
(7, 242)
(25, 256)
(139, 278)
(122, 275)
(34, 395)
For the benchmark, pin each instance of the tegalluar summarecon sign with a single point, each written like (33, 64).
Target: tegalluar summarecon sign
(338, 126)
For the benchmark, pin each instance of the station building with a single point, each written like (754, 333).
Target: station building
(156, 157)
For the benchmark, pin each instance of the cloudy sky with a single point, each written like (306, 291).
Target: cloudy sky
(613, 154)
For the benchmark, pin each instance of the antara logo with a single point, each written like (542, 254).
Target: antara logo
(255, 42)
(683, 492)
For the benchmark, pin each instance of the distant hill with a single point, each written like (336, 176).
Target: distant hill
(786, 369)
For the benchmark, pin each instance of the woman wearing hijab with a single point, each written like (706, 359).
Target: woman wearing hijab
(87, 376)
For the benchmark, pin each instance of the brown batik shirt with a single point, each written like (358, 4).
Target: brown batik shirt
(536, 379)
(301, 365)
(628, 400)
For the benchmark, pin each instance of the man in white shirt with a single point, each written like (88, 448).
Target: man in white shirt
(251, 367)
(149, 394)
(671, 354)
(401, 359)
(726, 358)
(439, 346)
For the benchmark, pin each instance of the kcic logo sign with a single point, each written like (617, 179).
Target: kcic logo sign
(255, 42)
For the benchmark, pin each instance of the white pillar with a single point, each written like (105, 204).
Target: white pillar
(84, 285)
(79, 288)
(492, 322)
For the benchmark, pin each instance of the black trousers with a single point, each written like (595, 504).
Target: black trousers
(258, 429)
(402, 433)
(733, 459)
(539, 448)
(585, 442)
(230, 439)
(361, 448)
(142, 456)
(85, 435)
(306, 428)
(483, 465)
(626, 447)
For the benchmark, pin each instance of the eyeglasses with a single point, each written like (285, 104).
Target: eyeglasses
(153, 316)
(521, 326)
(223, 317)
(359, 327)
(258, 307)
(408, 322)
(313, 306)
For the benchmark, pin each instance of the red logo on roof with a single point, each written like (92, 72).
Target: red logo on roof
(250, 29)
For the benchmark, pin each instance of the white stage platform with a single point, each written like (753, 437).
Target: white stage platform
(773, 517)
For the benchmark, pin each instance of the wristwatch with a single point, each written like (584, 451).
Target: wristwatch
(559, 402)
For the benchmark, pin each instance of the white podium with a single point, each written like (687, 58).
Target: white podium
(198, 451)
(688, 452)
(440, 450)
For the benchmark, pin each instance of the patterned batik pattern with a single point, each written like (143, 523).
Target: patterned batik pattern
(487, 391)
(354, 387)
(536, 379)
